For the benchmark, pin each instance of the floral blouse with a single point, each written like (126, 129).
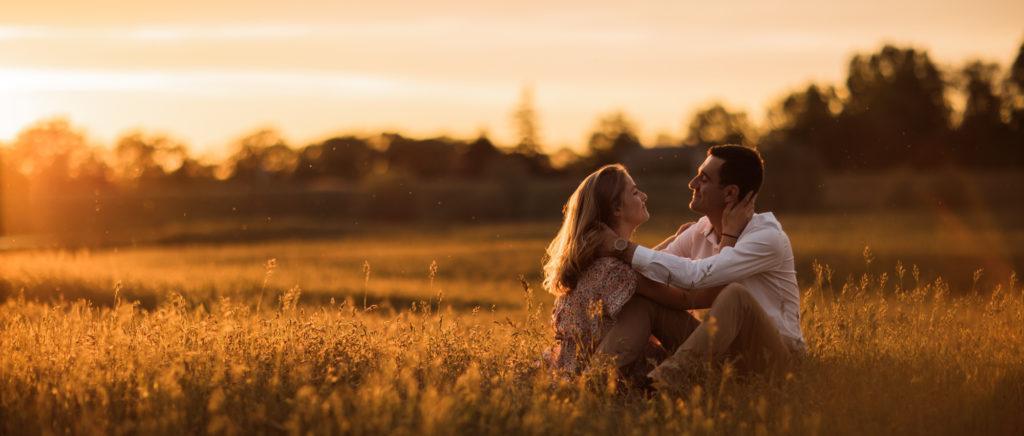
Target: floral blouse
(584, 315)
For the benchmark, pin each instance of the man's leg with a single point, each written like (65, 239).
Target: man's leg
(626, 341)
(741, 329)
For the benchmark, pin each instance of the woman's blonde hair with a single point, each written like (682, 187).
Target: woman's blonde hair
(594, 201)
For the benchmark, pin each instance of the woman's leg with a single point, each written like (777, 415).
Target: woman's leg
(627, 339)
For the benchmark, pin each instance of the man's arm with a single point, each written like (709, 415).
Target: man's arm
(675, 298)
(758, 251)
(681, 299)
(755, 253)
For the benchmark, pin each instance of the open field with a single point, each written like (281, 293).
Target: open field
(914, 362)
(171, 341)
(476, 265)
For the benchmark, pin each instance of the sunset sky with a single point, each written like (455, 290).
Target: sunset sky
(207, 72)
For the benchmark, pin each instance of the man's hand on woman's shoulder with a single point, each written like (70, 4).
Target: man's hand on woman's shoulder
(606, 241)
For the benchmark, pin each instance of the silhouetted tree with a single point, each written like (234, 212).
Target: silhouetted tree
(262, 156)
(425, 159)
(982, 137)
(141, 159)
(1014, 104)
(806, 120)
(192, 170)
(536, 164)
(717, 125)
(564, 158)
(91, 170)
(478, 157)
(47, 153)
(347, 158)
(613, 138)
(896, 111)
(525, 120)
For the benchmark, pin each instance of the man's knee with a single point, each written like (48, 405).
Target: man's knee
(640, 303)
(733, 293)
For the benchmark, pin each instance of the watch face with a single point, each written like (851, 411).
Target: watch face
(621, 244)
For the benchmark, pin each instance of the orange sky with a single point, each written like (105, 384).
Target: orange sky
(208, 71)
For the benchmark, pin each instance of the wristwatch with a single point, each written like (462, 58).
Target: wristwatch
(620, 245)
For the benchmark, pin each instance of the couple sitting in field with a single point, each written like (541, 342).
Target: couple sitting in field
(613, 296)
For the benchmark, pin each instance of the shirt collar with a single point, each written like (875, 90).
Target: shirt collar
(708, 231)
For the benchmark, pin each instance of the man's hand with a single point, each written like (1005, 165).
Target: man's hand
(606, 238)
(738, 214)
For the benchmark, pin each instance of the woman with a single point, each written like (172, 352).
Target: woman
(590, 291)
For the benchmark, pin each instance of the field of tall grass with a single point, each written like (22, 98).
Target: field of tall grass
(432, 331)
(476, 265)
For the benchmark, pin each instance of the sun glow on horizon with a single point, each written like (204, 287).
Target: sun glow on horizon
(210, 71)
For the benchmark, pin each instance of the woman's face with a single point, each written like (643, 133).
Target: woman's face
(634, 205)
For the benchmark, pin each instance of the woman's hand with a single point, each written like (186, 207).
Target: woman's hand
(738, 214)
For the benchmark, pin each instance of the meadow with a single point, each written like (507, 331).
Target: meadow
(913, 321)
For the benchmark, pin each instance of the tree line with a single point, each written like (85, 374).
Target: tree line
(895, 109)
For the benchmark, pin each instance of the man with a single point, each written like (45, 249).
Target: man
(749, 286)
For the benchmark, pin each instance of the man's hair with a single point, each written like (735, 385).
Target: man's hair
(742, 166)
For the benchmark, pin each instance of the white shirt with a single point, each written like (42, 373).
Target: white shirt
(762, 261)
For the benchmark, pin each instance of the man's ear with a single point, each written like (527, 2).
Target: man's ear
(732, 193)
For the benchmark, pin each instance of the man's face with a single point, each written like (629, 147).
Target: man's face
(708, 194)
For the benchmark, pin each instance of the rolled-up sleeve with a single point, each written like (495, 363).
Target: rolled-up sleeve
(755, 252)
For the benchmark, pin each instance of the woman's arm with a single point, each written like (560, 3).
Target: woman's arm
(664, 295)
(702, 298)
(676, 298)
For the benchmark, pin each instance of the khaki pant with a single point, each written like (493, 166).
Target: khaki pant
(639, 319)
(737, 329)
